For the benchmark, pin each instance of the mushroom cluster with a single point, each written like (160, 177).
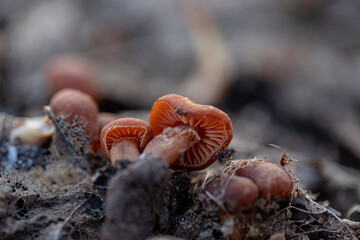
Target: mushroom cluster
(241, 183)
(182, 133)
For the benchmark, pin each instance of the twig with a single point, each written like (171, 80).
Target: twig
(346, 224)
(313, 231)
(343, 223)
(351, 223)
(58, 231)
(285, 159)
(2, 121)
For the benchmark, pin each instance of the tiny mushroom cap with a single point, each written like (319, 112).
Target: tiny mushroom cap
(135, 131)
(240, 192)
(78, 109)
(212, 125)
(236, 192)
(72, 71)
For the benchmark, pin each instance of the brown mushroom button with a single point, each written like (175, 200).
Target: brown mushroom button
(73, 71)
(71, 104)
(212, 125)
(131, 131)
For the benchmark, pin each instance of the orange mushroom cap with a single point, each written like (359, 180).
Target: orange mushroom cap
(131, 129)
(211, 124)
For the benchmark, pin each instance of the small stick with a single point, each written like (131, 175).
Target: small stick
(285, 159)
(343, 223)
(49, 113)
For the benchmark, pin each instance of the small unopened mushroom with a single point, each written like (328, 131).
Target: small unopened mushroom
(187, 135)
(72, 71)
(78, 109)
(32, 130)
(272, 179)
(124, 138)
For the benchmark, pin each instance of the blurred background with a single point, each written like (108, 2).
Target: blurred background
(287, 72)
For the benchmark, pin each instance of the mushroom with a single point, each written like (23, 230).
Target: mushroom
(124, 138)
(72, 71)
(78, 109)
(187, 135)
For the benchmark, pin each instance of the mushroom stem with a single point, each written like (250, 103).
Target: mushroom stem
(171, 143)
(124, 150)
